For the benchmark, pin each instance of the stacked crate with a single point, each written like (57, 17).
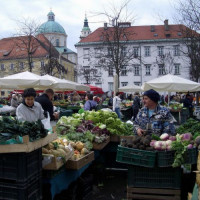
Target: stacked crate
(150, 176)
(20, 175)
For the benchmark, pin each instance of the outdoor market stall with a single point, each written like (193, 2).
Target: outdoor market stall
(171, 83)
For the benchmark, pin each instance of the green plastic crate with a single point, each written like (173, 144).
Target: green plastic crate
(136, 156)
(166, 158)
(64, 112)
(157, 177)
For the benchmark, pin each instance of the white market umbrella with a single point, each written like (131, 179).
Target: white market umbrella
(63, 84)
(24, 80)
(130, 88)
(171, 83)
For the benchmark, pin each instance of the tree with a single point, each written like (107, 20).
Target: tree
(27, 29)
(189, 15)
(114, 53)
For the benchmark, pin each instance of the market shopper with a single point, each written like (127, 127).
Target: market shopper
(29, 110)
(153, 118)
(90, 104)
(136, 105)
(14, 101)
(116, 104)
(46, 102)
(187, 103)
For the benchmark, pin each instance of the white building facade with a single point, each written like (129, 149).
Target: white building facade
(158, 50)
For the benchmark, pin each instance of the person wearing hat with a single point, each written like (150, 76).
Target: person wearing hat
(153, 117)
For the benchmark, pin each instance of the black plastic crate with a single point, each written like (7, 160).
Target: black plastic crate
(30, 190)
(20, 166)
(157, 177)
(166, 158)
(136, 156)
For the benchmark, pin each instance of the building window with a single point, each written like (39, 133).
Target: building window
(123, 51)
(161, 69)
(137, 83)
(109, 51)
(176, 50)
(176, 69)
(110, 71)
(110, 86)
(136, 52)
(42, 64)
(2, 67)
(124, 71)
(97, 71)
(86, 53)
(12, 66)
(160, 50)
(97, 52)
(136, 70)
(124, 84)
(32, 64)
(21, 66)
(148, 69)
(146, 51)
(57, 43)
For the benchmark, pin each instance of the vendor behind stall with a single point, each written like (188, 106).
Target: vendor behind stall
(29, 110)
(46, 102)
(153, 117)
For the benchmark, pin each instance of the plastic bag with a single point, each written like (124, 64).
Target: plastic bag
(46, 122)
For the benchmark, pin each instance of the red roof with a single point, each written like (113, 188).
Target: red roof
(16, 47)
(139, 33)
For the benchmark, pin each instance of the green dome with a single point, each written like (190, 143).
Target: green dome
(51, 26)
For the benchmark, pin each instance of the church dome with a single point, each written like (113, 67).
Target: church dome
(51, 26)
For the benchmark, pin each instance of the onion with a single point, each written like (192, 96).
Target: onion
(186, 137)
(172, 138)
(152, 143)
(158, 145)
(190, 146)
(164, 136)
(168, 142)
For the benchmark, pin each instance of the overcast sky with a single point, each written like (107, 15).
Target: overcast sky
(70, 14)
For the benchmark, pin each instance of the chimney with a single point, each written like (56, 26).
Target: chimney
(105, 26)
(152, 28)
(166, 25)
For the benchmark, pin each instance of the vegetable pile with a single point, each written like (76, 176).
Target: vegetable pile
(11, 128)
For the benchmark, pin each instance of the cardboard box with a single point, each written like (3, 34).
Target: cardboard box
(55, 164)
(99, 146)
(114, 138)
(27, 146)
(77, 164)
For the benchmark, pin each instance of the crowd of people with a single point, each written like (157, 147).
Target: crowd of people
(147, 109)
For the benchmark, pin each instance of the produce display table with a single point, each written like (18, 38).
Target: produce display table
(63, 179)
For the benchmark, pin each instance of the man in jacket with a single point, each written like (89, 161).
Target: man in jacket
(46, 102)
(153, 117)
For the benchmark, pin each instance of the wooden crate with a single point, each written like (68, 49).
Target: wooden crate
(128, 138)
(114, 138)
(100, 146)
(77, 164)
(27, 146)
(54, 165)
(153, 194)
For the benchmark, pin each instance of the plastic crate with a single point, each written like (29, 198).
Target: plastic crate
(191, 156)
(156, 177)
(20, 166)
(166, 158)
(30, 190)
(64, 112)
(136, 156)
